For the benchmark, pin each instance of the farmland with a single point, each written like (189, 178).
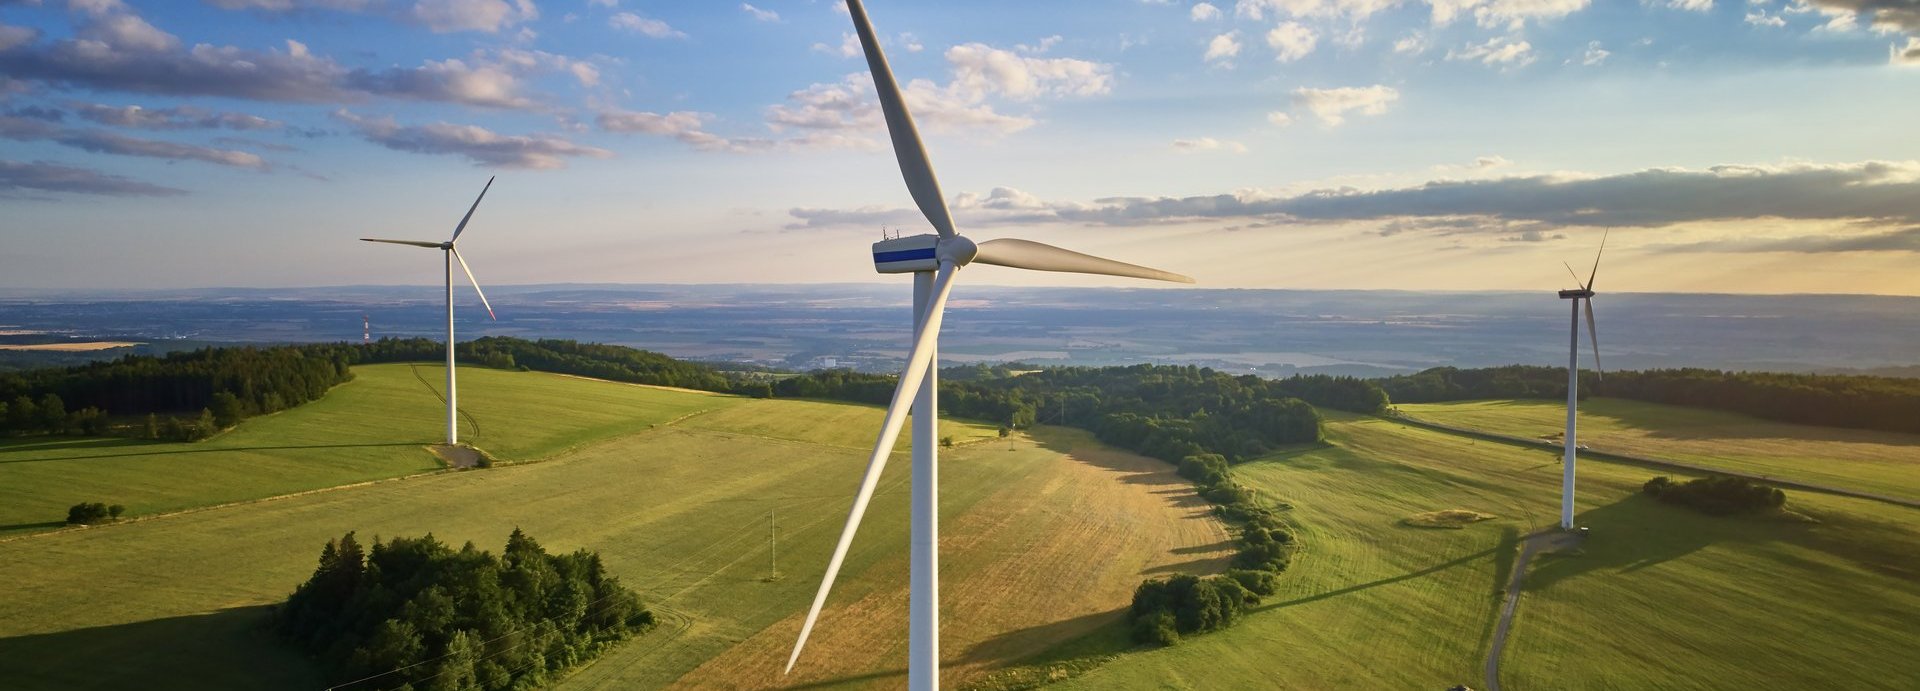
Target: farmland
(1661, 597)
(1046, 535)
(1875, 462)
(374, 427)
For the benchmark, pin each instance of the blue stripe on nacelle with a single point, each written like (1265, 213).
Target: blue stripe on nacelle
(903, 255)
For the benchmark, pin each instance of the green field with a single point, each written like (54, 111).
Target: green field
(1046, 537)
(374, 427)
(1866, 461)
(1661, 598)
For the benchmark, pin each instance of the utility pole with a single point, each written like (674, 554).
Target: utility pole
(773, 545)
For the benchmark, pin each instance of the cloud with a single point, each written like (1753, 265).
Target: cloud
(1204, 12)
(1411, 44)
(15, 36)
(1900, 15)
(849, 47)
(1761, 18)
(1331, 106)
(42, 176)
(1909, 56)
(1188, 146)
(1499, 51)
(1872, 193)
(1223, 48)
(1691, 5)
(1354, 10)
(1903, 240)
(982, 69)
(685, 126)
(850, 106)
(293, 5)
(101, 141)
(1291, 41)
(1511, 14)
(175, 118)
(447, 16)
(760, 14)
(451, 81)
(1279, 118)
(651, 28)
(482, 146)
(1595, 55)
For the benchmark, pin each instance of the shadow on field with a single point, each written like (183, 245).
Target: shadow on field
(226, 649)
(1410, 575)
(70, 443)
(210, 450)
(853, 680)
(1019, 645)
(1638, 532)
(43, 525)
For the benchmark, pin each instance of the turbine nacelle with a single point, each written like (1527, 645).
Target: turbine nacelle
(1575, 294)
(922, 253)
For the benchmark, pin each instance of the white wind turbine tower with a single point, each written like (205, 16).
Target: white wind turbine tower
(452, 255)
(933, 261)
(1571, 440)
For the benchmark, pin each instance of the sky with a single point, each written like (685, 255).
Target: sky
(1743, 146)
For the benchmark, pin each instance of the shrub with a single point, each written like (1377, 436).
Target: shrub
(90, 513)
(1718, 495)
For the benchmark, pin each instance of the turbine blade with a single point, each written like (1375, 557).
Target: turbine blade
(907, 148)
(476, 204)
(1571, 272)
(1598, 371)
(415, 243)
(1027, 254)
(474, 281)
(1596, 259)
(903, 395)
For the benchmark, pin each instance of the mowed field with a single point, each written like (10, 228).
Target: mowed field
(374, 427)
(1660, 597)
(1045, 537)
(1875, 462)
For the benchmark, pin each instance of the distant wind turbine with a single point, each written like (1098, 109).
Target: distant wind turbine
(933, 260)
(1571, 439)
(452, 255)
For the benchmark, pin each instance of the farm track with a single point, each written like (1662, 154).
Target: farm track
(1656, 462)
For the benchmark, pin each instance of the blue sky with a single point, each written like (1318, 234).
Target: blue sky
(1729, 145)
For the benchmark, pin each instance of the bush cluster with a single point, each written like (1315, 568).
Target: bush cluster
(1719, 495)
(90, 513)
(428, 617)
(1182, 605)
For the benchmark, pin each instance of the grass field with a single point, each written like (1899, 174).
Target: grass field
(376, 426)
(1876, 462)
(1045, 538)
(1661, 597)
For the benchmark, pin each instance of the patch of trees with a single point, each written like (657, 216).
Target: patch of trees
(226, 384)
(425, 616)
(560, 356)
(91, 513)
(1166, 609)
(1718, 495)
(1888, 404)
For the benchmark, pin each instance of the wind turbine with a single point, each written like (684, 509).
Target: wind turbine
(1584, 294)
(452, 255)
(933, 261)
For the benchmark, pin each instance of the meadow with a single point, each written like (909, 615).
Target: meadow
(1875, 462)
(1659, 597)
(1045, 538)
(375, 427)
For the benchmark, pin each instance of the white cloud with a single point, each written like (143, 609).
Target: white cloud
(645, 26)
(1202, 144)
(979, 68)
(1497, 51)
(1204, 12)
(1761, 18)
(1512, 14)
(1354, 10)
(1691, 5)
(15, 36)
(849, 47)
(1291, 41)
(1411, 44)
(1279, 118)
(1595, 54)
(446, 16)
(1332, 106)
(760, 14)
(1223, 48)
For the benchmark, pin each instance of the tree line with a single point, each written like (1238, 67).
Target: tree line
(414, 613)
(1853, 401)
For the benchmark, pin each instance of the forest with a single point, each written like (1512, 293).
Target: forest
(415, 613)
(1853, 401)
